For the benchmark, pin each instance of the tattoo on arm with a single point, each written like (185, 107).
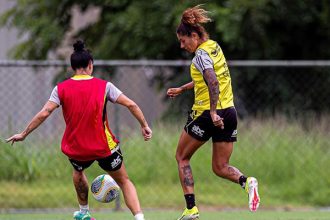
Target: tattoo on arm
(48, 110)
(187, 175)
(39, 118)
(213, 85)
(33, 125)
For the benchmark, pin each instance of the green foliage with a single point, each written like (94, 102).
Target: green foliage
(273, 29)
(245, 29)
(125, 29)
(263, 29)
(44, 23)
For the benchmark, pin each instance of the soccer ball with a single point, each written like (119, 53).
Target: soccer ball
(104, 188)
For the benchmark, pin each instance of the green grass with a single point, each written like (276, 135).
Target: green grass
(168, 215)
(290, 162)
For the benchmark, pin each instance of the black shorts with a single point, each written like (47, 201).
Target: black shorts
(110, 163)
(202, 128)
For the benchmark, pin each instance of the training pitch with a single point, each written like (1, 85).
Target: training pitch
(173, 215)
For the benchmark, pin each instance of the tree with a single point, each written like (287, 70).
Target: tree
(245, 29)
(277, 29)
(126, 29)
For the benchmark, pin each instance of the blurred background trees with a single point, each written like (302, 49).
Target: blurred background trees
(127, 29)
(246, 29)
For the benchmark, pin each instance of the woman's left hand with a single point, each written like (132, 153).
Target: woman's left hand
(147, 133)
(217, 120)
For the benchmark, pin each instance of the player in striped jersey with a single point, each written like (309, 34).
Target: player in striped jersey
(213, 114)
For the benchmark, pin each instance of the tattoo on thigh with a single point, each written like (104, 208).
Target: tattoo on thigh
(187, 175)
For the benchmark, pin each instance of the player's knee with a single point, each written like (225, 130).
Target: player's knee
(219, 169)
(77, 174)
(181, 158)
(122, 180)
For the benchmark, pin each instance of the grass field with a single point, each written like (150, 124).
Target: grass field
(289, 161)
(172, 215)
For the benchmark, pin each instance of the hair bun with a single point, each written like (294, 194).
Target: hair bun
(79, 46)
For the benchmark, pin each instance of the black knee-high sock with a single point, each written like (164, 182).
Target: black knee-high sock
(242, 181)
(190, 200)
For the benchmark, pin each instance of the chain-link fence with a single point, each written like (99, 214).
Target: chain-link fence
(283, 136)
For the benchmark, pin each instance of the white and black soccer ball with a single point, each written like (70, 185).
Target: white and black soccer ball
(105, 189)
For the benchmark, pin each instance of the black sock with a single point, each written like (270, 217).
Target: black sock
(242, 181)
(190, 200)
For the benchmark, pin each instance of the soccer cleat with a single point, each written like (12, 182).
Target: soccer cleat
(251, 187)
(78, 215)
(190, 214)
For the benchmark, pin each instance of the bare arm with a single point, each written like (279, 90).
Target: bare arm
(37, 120)
(172, 92)
(137, 113)
(213, 86)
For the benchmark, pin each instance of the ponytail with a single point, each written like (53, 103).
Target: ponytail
(192, 20)
(195, 16)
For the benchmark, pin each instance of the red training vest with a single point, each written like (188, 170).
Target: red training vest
(83, 103)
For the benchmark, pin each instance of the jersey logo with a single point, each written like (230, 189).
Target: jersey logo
(197, 130)
(216, 51)
(116, 162)
(79, 168)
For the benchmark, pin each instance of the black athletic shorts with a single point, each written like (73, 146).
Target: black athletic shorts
(110, 163)
(202, 128)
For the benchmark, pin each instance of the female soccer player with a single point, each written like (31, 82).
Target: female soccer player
(213, 113)
(87, 136)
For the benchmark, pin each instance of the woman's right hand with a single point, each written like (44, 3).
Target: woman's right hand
(16, 138)
(172, 92)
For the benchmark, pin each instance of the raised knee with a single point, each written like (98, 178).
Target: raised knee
(219, 169)
(182, 157)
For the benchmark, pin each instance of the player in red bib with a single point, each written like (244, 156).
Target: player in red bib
(87, 135)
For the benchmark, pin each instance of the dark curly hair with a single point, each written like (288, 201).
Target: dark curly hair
(192, 20)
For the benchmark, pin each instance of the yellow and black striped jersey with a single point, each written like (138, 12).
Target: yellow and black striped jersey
(209, 55)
